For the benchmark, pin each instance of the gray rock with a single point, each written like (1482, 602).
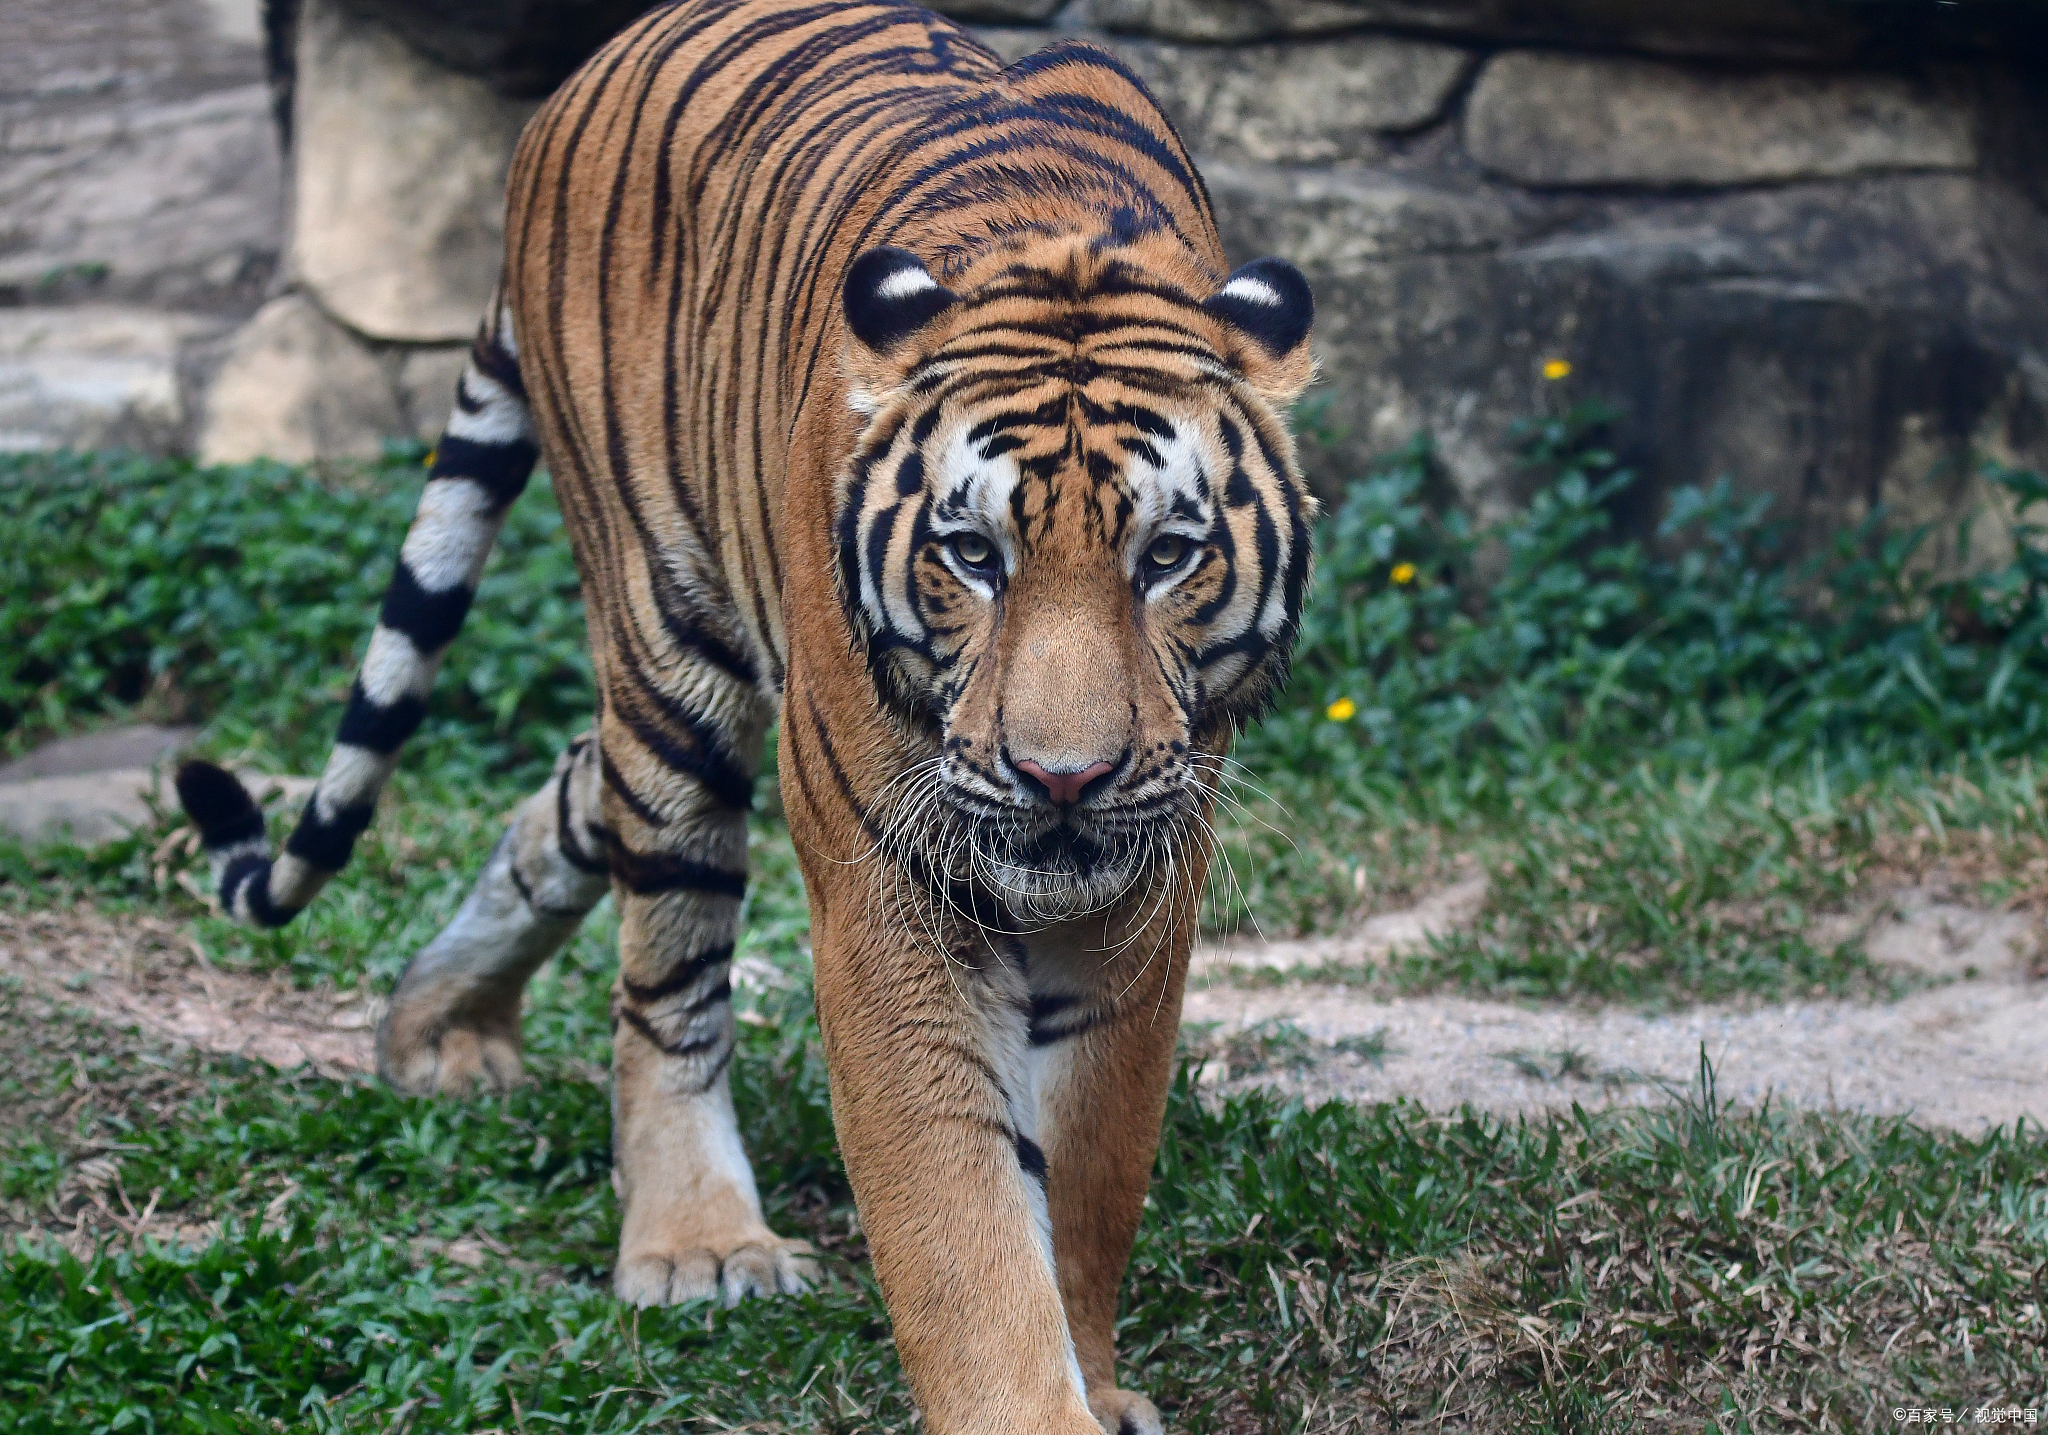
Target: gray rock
(139, 745)
(398, 213)
(1279, 104)
(85, 810)
(1297, 104)
(1550, 119)
(297, 386)
(137, 159)
(90, 809)
(1346, 221)
(97, 376)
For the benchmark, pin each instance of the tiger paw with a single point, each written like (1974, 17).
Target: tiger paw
(1125, 1412)
(765, 1265)
(425, 1050)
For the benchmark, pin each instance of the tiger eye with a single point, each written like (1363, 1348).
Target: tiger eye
(1166, 551)
(973, 550)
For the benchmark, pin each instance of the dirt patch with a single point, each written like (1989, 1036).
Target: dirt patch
(149, 973)
(1970, 1052)
(1963, 1054)
(1967, 1055)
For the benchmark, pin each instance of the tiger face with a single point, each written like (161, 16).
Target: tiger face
(1073, 540)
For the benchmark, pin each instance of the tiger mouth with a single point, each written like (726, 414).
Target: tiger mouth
(1046, 867)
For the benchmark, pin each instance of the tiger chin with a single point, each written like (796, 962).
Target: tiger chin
(903, 403)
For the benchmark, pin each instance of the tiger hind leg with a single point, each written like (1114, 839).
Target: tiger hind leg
(453, 1022)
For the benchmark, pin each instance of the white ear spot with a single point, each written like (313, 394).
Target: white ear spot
(1252, 291)
(906, 282)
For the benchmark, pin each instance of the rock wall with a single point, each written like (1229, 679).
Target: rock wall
(1800, 242)
(396, 231)
(140, 194)
(1787, 253)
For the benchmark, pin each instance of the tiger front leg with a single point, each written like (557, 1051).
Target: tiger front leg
(692, 1227)
(931, 1100)
(1102, 1040)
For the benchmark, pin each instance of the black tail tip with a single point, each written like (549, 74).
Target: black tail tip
(219, 806)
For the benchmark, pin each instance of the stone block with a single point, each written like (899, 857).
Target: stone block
(96, 376)
(1297, 103)
(1553, 119)
(297, 386)
(399, 194)
(1338, 222)
(1218, 20)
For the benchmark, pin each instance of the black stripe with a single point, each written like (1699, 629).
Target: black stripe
(253, 873)
(381, 729)
(1032, 1158)
(1045, 1027)
(430, 617)
(565, 838)
(640, 1024)
(711, 763)
(500, 469)
(493, 360)
(616, 781)
(721, 992)
(681, 978)
(219, 806)
(327, 843)
(533, 903)
(647, 873)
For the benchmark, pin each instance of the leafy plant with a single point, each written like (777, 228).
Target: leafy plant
(1431, 645)
(246, 594)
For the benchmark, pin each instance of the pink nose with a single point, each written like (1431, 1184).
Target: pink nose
(1064, 788)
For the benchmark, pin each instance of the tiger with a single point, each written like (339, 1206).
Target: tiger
(902, 402)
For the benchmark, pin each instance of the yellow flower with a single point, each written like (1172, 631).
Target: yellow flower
(1403, 573)
(1342, 710)
(428, 461)
(1555, 369)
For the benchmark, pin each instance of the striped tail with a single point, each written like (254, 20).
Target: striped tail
(481, 466)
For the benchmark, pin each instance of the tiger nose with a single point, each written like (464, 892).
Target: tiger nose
(1064, 788)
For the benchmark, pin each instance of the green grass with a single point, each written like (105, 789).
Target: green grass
(381, 1260)
(1668, 756)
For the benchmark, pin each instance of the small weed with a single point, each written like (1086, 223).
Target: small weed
(1273, 1045)
(1369, 1047)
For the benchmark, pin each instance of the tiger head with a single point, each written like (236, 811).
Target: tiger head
(1073, 540)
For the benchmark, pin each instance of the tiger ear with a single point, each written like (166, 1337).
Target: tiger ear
(1269, 305)
(889, 296)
